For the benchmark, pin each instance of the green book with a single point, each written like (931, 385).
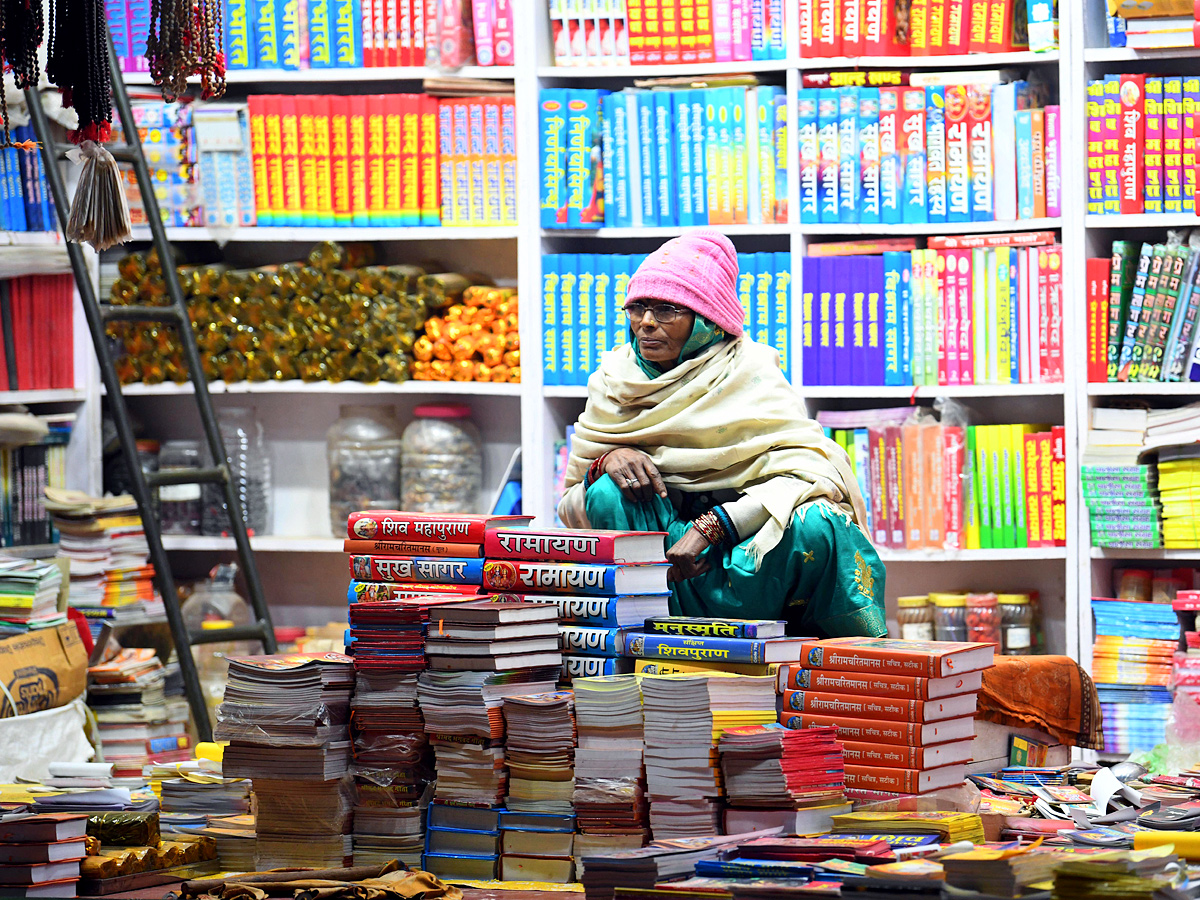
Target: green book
(1164, 314)
(1145, 311)
(1120, 287)
(1137, 295)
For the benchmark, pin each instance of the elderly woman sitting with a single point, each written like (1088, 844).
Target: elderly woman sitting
(692, 429)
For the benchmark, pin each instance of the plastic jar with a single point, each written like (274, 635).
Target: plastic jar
(441, 468)
(1016, 624)
(215, 603)
(983, 619)
(250, 469)
(179, 504)
(949, 616)
(363, 451)
(915, 617)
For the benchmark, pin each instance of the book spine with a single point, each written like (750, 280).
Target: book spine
(808, 136)
(1111, 132)
(1131, 140)
(828, 165)
(1058, 485)
(1097, 319)
(1172, 144)
(587, 641)
(873, 778)
(980, 132)
(1053, 160)
(781, 310)
(1038, 149)
(935, 153)
(1024, 163)
(859, 707)
(857, 730)
(958, 156)
(1191, 105)
(410, 548)
(913, 157)
(414, 569)
(891, 755)
(552, 114)
(849, 159)
(598, 612)
(592, 667)
(890, 171)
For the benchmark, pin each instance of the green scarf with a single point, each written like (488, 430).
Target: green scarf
(704, 335)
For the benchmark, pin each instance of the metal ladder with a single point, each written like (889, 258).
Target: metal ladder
(175, 314)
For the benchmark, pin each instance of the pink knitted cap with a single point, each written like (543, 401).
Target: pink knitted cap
(698, 271)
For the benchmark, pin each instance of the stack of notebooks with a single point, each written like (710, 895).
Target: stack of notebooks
(685, 716)
(40, 855)
(600, 582)
(1131, 665)
(904, 710)
(644, 867)
(950, 826)
(28, 595)
(211, 796)
(1178, 475)
(610, 780)
(1121, 492)
(140, 723)
(103, 540)
(776, 777)
(287, 720)
(235, 839)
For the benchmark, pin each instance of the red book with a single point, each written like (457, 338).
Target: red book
(429, 203)
(44, 873)
(410, 159)
(947, 341)
(1131, 137)
(999, 26)
(388, 524)
(273, 128)
(43, 829)
(977, 30)
(306, 152)
(894, 478)
(603, 547)
(817, 848)
(1058, 485)
(392, 156)
(1098, 274)
(289, 130)
(22, 333)
(47, 852)
(957, 26)
(895, 756)
(66, 310)
(367, 22)
(806, 23)
(413, 548)
(852, 39)
(794, 677)
(918, 27)
(339, 159)
(891, 709)
(502, 34)
(376, 160)
(883, 656)
(827, 39)
(356, 148)
(391, 32)
(904, 781)
(876, 440)
(669, 11)
(404, 36)
(937, 27)
(875, 731)
(1008, 239)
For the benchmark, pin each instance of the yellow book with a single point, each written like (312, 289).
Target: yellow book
(971, 493)
(671, 667)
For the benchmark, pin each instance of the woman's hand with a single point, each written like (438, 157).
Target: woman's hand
(635, 474)
(684, 556)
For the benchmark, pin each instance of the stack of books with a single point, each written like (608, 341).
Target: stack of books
(1131, 665)
(103, 540)
(1178, 473)
(949, 826)
(235, 839)
(29, 595)
(139, 724)
(1121, 493)
(462, 841)
(1151, 27)
(599, 581)
(287, 721)
(776, 777)
(211, 796)
(645, 867)
(537, 847)
(679, 645)
(904, 710)
(40, 855)
(685, 716)
(610, 779)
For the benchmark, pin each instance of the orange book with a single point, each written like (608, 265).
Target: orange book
(376, 160)
(953, 460)
(360, 184)
(446, 202)
(934, 486)
(1033, 497)
(918, 27)
(273, 131)
(392, 169)
(893, 756)
(430, 208)
(635, 30)
(339, 160)
(912, 459)
(493, 165)
(462, 162)
(706, 50)
(310, 204)
(413, 548)
(872, 731)
(1045, 477)
(670, 31)
(977, 27)
(652, 23)
(478, 215)
(903, 781)
(687, 31)
(508, 160)
(931, 659)
(410, 159)
(1038, 144)
(891, 709)
(794, 677)
(255, 104)
(937, 27)
(289, 128)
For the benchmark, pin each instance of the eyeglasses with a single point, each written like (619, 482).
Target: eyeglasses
(664, 313)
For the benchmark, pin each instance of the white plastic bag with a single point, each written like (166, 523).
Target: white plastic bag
(29, 743)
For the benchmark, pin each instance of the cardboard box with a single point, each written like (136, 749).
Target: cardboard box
(44, 669)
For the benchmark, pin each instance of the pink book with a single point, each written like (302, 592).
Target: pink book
(1055, 350)
(948, 361)
(723, 29)
(1053, 161)
(1043, 283)
(935, 270)
(966, 335)
(1025, 360)
(485, 36)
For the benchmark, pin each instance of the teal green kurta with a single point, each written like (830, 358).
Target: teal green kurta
(824, 577)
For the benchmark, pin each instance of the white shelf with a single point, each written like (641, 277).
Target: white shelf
(1144, 220)
(31, 239)
(267, 543)
(661, 71)
(956, 61)
(312, 234)
(1122, 54)
(431, 388)
(1191, 553)
(338, 76)
(1044, 224)
(928, 556)
(1144, 389)
(31, 551)
(68, 395)
(870, 392)
(579, 391)
(665, 232)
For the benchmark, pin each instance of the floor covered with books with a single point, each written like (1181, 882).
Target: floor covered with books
(527, 719)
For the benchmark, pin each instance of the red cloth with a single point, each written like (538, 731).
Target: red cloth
(85, 633)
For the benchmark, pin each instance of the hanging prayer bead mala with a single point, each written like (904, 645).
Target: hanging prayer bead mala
(185, 39)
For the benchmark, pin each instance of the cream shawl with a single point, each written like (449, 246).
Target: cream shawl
(726, 419)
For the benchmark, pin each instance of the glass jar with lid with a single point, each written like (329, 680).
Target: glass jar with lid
(363, 451)
(1016, 624)
(915, 617)
(983, 619)
(179, 504)
(949, 616)
(441, 463)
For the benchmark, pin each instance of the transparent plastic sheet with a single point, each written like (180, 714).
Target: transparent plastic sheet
(285, 807)
(608, 790)
(389, 788)
(124, 829)
(394, 746)
(960, 798)
(277, 726)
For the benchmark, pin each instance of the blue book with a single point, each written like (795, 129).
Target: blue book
(552, 139)
(809, 144)
(607, 152)
(320, 34)
(827, 148)
(840, 302)
(347, 34)
(585, 344)
(710, 649)
(699, 157)
(15, 193)
(36, 191)
(781, 143)
(601, 611)
(701, 626)
(616, 106)
(868, 142)
(855, 282)
(6, 223)
(1014, 326)
(906, 320)
(826, 352)
(849, 161)
(781, 309)
(754, 868)
(647, 157)
(778, 38)
(895, 276)
(238, 21)
(889, 158)
(587, 640)
(764, 274)
(568, 279)
(810, 322)
(746, 282)
(521, 575)
(287, 25)
(1024, 128)
(874, 300)
(582, 105)
(602, 311)
(550, 289)
(935, 153)
(759, 33)
(575, 666)
(912, 157)
(685, 192)
(665, 171)
(622, 270)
